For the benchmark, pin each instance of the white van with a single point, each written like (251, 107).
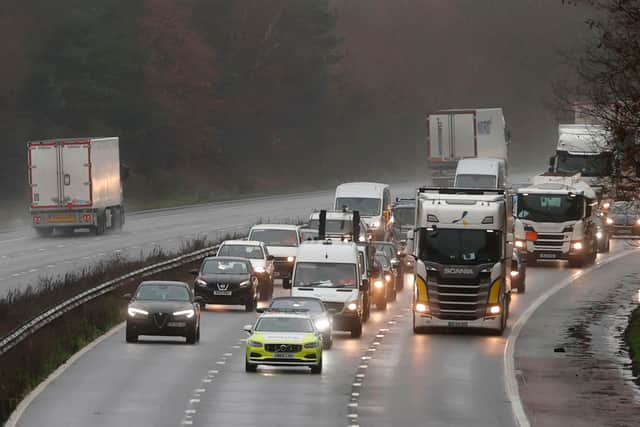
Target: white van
(371, 199)
(331, 271)
(282, 242)
(482, 173)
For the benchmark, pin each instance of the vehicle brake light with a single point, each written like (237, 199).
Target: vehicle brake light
(87, 217)
(36, 219)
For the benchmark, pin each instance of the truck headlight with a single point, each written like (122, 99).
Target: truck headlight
(598, 235)
(514, 273)
(136, 311)
(187, 313)
(378, 284)
(421, 308)
(387, 277)
(606, 205)
(577, 246)
(519, 244)
(291, 258)
(352, 306)
(609, 220)
(253, 343)
(494, 309)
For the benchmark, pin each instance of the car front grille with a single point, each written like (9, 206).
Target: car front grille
(283, 348)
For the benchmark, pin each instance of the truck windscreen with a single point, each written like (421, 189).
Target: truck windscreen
(476, 181)
(403, 216)
(598, 165)
(549, 207)
(367, 206)
(460, 246)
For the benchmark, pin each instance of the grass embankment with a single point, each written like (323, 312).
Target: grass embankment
(632, 336)
(31, 361)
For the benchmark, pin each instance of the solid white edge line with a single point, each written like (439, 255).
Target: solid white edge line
(511, 382)
(24, 404)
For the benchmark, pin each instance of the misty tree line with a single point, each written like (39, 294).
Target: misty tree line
(205, 94)
(608, 76)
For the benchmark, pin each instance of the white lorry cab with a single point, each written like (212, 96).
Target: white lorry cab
(339, 225)
(331, 271)
(555, 220)
(463, 259)
(481, 173)
(371, 199)
(282, 241)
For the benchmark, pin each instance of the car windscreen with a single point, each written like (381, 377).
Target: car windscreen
(476, 181)
(153, 292)
(272, 237)
(334, 226)
(549, 207)
(403, 216)
(325, 275)
(214, 266)
(242, 251)
(388, 250)
(312, 305)
(594, 165)
(284, 324)
(459, 246)
(366, 206)
(383, 261)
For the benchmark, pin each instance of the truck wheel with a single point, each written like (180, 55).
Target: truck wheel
(44, 232)
(117, 219)
(356, 329)
(101, 224)
(576, 262)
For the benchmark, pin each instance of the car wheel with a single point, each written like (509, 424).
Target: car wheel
(317, 369)
(198, 334)
(250, 305)
(131, 337)
(192, 336)
(503, 321)
(203, 306)
(249, 367)
(356, 329)
(522, 286)
(327, 342)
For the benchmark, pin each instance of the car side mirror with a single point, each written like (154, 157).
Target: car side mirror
(127, 296)
(270, 258)
(198, 299)
(365, 285)
(247, 328)
(194, 272)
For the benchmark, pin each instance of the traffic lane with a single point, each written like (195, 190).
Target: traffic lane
(25, 258)
(142, 384)
(277, 396)
(449, 378)
(569, 355)
(23, 261)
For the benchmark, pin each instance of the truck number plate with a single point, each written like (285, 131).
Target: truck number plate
(458, 324)
(283, 355)
(548, 255)
(226, 293)
(61, 218)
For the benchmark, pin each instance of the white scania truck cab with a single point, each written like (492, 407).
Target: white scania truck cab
(330, 270)
(463, 259)
(371, 199)
(481, 173)
(555, 220)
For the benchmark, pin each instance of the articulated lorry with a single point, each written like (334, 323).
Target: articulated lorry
(463, 259)
(459, 134)
(75, 183)
(555, 220)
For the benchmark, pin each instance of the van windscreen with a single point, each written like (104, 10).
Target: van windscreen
(367, 206)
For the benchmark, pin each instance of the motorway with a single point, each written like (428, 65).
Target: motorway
(387, 377)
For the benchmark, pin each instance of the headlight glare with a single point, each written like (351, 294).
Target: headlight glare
(609, 220)
(378, 284)
(291, 258)
(577, 246)
(322, 324)
(519, 244)
(352, 306)
(421, 308)
(187, 313)
(599, 234)
(136, 311)
(387, 277)
(514, 273)
(260, 269)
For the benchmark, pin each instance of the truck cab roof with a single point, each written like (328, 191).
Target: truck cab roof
(361, 189)
(327, 251)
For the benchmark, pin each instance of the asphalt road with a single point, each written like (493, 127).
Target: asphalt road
(387, 377)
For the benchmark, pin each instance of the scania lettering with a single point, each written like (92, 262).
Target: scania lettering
(463, 259)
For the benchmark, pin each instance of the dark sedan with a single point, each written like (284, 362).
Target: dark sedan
(387, 275)
(623, 219)
(227, 280)
(163, 309)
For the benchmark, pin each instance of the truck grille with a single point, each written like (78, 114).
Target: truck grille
(553, 243)
(458, 301)
(283, 348)
(550, 236)
(334, 306)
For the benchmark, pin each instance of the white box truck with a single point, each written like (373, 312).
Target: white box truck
(75, 183)
(459, 134)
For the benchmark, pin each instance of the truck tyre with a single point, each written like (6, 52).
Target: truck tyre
(100, 224)
(116, 219)
(576, 262)
(44, 232)
(250, 305)
(356, 329)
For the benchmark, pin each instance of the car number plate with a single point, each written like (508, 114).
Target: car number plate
(222, 292)
(458, 324)
(176, 324)
(548, 255)
(283, 355)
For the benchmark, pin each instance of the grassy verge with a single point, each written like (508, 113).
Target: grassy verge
(31, 361)
(632, 337)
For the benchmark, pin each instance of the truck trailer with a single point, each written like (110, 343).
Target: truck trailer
(75, 183)
(459, 134)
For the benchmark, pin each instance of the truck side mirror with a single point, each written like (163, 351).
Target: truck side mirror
(365, 285)
(286, 283)
(552, 162)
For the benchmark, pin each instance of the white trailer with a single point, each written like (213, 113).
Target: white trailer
(75, 183)
(461, 134)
